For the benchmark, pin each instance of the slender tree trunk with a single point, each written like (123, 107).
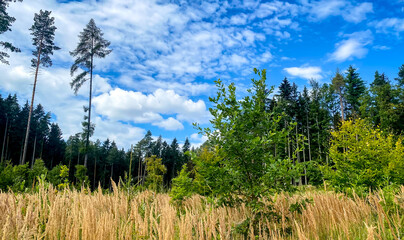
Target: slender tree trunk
(105, 169)
(8, 140)
(112, 173)
(286, 144)
(139, 171)
(95, 171)
(33, 154)
(308, 134)
(21, 150)
(70, 160)
(4, 141)
(43, 140)
(342, 105)
(304, 160)
(318, 138)
(297, 152)
(130, 164)
(297, 145)
(32, 105)
(89, 105)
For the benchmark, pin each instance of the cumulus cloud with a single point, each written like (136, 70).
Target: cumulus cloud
(305, 72)
(352, 47)
(137, 107)
(171, 124)
(123, 134)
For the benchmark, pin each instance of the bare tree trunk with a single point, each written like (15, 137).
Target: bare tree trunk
(32, 105)
(8, 140)
(318, 138)
(304, 160)
(308, 134)
(130, 163)
(297, 145)
(33, 154)
(139, 171)
(43, 140)
(89, 105)
(342, 105)
(21, 150)
(112, 173)
(4, 140)
(95, 171)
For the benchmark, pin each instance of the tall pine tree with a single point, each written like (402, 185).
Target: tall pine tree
(91, 44)
(43, 32)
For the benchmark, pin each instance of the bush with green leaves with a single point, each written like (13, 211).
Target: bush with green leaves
(14, 177)
(364, 157)
(243, 166)
(37, 170)
(81, 176)
(155, 172)
(59, 176)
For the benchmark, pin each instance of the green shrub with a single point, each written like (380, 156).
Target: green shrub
(364, 158)
(81, 176)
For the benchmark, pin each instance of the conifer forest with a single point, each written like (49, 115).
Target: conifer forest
(322, 159)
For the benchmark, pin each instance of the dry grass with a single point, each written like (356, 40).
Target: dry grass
(49, 214)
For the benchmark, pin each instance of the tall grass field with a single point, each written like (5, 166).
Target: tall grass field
(310, 214)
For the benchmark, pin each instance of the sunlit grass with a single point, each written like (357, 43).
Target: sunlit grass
(48, 214)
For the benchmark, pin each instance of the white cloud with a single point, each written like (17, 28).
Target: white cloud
(353, 47)
(123, 134)
(305, 72)
(389, 25)
(170, 124)
(287, 59)
(325, 8)
(197, 140)
(381, 47)
(137, 107)
(358, 14)
(240, 19)
(320, 10)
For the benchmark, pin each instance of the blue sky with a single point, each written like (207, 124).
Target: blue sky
(166, 55)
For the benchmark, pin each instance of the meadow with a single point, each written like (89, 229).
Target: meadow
(310, 214)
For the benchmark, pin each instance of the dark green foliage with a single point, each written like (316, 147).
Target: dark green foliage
(37, 170)
(400, 77)
(55, 146)
(355, 88)
(5, 25)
